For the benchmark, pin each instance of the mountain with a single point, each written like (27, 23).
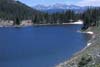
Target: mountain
(56, 6)
(11, 9)
(59, 8)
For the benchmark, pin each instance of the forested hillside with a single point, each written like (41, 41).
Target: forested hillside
(11, 9)
(91, 17)
(15, 10)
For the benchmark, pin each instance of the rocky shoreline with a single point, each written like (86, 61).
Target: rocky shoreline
(91, 50)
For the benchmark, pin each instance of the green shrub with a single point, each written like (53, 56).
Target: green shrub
(84, 61)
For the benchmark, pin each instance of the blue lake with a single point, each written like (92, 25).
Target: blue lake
(39, 46)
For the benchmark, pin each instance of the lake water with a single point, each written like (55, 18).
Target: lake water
(39, 46)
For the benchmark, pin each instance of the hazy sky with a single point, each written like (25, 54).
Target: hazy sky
(74, 2)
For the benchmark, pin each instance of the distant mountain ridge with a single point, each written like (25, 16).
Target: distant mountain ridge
(56, 6)
(59, 8)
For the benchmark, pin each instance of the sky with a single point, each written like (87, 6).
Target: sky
(69, 2)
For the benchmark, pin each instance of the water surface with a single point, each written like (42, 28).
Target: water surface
(39, 46)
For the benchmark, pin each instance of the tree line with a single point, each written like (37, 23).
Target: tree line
(91, 17)
(56, 18)
(17, 11)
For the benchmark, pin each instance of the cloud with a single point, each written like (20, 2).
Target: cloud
(88, 3)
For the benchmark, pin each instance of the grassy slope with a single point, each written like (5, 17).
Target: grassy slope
(88, 57)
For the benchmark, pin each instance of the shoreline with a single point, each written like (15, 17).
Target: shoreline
(89, 43)
(90, 33)
(57, 24)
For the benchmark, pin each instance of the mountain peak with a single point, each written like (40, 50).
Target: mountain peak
(56, 6)
(59, 7)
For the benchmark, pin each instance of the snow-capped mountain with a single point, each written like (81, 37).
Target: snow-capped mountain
(41, 7)
(58, 8)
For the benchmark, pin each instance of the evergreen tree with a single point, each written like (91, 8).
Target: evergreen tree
(91, 17)
(17, 21)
